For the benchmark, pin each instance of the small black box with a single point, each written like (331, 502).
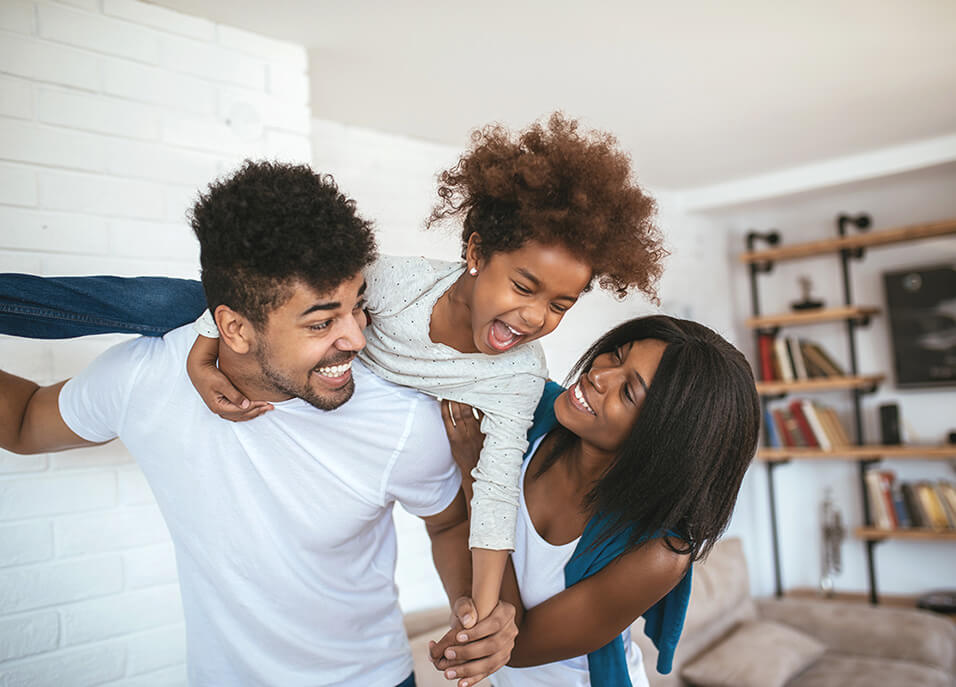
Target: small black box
(889, 424)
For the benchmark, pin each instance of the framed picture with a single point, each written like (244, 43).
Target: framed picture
(921, 304)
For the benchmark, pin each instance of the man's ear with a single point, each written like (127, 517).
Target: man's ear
(473, 252)
(235, 331)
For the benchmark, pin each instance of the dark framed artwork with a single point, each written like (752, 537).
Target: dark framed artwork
(921, 304)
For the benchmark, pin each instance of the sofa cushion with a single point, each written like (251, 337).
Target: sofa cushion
(842, 670)
(757, 654)
(859, 629)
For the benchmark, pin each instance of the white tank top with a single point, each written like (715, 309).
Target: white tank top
(539, 567)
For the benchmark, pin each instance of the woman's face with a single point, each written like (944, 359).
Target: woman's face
(603, 405)
(522, 295)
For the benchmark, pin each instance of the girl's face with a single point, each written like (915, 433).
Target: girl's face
(522, 295)
(603, 405)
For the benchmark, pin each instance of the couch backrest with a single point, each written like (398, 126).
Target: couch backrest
(719, 599)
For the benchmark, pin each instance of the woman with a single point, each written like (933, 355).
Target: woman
(632, 474)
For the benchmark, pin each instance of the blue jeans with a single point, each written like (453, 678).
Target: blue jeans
(407, 682)
(64, 307)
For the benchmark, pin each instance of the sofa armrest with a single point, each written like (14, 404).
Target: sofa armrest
(852, 628)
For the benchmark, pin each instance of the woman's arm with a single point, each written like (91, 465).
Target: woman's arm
(591, 613)
(586, 616)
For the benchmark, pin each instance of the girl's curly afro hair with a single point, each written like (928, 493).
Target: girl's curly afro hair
(556, 185)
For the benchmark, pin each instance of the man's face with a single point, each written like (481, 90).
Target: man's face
(308, 344)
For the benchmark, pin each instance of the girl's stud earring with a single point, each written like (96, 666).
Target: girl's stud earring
(473, 271)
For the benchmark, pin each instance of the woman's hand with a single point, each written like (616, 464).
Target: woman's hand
(463, 427)
(217, 392)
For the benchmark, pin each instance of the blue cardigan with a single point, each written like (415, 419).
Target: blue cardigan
(663, 621)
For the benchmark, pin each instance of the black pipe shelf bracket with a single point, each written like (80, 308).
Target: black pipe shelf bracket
(862, 222)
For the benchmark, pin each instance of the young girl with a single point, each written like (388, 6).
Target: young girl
(544, 214)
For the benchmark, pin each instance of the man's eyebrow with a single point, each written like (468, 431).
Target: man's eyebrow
(331, 305)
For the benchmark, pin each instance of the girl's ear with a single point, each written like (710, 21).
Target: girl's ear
(234, 329)
(473, 252)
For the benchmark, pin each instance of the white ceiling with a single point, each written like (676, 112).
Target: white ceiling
(699, 92)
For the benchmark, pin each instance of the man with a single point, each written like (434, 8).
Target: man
(282, 527)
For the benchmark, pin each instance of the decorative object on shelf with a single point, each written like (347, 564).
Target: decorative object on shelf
(833, 535)
(808, 303)
(921, 304)
(890, 424)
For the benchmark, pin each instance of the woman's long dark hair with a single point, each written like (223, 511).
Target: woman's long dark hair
(681, 467)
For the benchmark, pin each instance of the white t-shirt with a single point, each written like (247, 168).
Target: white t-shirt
(539, 567)
(282, 526)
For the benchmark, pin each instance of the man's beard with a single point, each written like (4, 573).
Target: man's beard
(282, 384)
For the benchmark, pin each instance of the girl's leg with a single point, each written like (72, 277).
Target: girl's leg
(64, 307)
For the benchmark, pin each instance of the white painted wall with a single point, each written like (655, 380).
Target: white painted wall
(112, 114)
(898, 200)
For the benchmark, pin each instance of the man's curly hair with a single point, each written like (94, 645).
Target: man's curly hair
(270, 224)
(556, 185)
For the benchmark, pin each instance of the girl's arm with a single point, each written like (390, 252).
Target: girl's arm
(217, 392)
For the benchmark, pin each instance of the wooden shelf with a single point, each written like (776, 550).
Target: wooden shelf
(872, 452)
(793, 319)
(862, 240)
(821, 384)
(877, 534)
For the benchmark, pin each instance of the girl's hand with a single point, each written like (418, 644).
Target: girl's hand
(472, 654)
(217, 392)
(463, 427)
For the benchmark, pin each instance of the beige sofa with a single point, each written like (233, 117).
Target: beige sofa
(731, 639)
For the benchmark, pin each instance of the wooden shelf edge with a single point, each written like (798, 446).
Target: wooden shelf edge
(877, 534)
(877, 238)
(870, 452)
(821, 384)
(813, 317)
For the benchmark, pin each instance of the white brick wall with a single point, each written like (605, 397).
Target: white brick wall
(112, 114)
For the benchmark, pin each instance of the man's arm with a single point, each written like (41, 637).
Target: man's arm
(30, 420)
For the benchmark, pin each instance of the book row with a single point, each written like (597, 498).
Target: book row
(904, 505)
(788, 359)
(807, 424)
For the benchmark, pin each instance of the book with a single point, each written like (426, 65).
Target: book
(933, 509)
(780, 421)
(813, 369)
(899, 505)
(765, 350)
(819, 432)
(803, 426)
(797, 438)
(773, 438)
(913, 505)
(878, 514)
(886, 492)
(948, 492)
(943, 501)
(831, 425)
(783, 359)
(799, 369)
(838, 429)
(823, 360)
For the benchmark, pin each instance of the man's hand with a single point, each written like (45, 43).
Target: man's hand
(470, 654)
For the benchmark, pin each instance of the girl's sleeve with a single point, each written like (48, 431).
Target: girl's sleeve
(509, 405)
(65, 307)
